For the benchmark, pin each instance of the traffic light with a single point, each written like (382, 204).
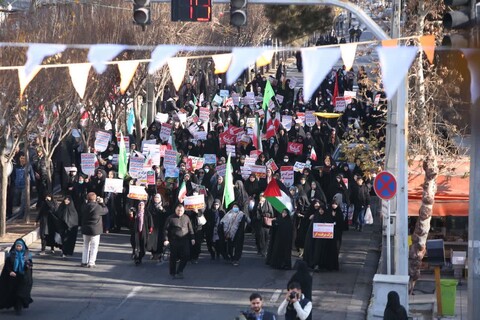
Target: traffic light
(238, 12)
(141, 12)
(461, 18)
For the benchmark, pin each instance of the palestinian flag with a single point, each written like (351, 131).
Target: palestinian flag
(277, 194)
(182, 192)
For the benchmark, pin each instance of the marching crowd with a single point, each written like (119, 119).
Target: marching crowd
(322, 191)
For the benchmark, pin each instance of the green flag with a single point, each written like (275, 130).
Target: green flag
(268, 95)
(122, 159)
(228, 192)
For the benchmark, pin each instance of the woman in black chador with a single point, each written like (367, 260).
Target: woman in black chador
(67, 218)
(320, 253)
(16, 278)
(282, 238)
(159, 215)
(142, 228)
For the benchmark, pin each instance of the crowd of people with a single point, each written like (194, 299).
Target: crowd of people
(322, 190)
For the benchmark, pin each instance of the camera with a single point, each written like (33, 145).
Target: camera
(292, 295)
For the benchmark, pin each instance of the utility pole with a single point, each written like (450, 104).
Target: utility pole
(474, 207)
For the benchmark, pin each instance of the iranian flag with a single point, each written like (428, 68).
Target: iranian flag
(277, 194)
(182, 192)
(313, 154)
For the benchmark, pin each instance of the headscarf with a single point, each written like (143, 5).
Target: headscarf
(231, 222)
(19, 262)
(159, 204)
(67, 213)
(140, 216)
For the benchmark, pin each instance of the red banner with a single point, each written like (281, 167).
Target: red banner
(226, 138)
(295, 148)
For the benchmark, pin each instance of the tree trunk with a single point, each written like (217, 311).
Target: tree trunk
(430, 166)
(3, 198)
(26, 213)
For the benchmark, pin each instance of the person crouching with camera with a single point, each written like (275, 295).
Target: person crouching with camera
(295, 306)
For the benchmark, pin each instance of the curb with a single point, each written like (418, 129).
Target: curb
(29, 238)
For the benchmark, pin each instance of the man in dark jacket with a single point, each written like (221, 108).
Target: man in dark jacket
(361, 202)
(177, 232)
(92, 228)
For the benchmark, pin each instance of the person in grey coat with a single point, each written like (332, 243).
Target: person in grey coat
(92, 228)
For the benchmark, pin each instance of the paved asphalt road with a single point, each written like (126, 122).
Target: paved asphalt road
(116, 289)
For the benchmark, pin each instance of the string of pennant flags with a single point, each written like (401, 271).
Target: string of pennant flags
(395, 61)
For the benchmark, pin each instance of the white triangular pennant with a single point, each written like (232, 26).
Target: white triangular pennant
(177, 67)
(79, 75)
(473, 56)
(99, 54)
(160, 55)
(395, 62)
(317, 63)
(39, 51)
(127, 71)
(222, 61)
(242, 58)
(24, 79)
(348, 54)
(265, 58)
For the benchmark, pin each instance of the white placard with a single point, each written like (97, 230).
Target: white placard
(287, 122)
(165, 131)
(231, 149)
(88, 162)
(102, 139)
(113, 185)
(287, 175)
(136, 166)
(161, 117)
(323, 230)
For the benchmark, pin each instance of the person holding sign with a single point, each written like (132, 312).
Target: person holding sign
(320, 250)
(233, 225)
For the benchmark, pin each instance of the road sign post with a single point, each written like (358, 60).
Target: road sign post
(385, 186)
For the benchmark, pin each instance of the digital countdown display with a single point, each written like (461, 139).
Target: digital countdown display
(191, 10)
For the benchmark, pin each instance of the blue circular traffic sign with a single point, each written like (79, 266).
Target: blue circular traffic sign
(385, 185)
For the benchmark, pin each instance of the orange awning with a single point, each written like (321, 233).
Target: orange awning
(452, 197)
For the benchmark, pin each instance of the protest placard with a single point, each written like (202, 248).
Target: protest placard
(300, 117)
(172, 172)
(323, 230)
(210, 158)
(299, 166)
(165, 131)
(115, 159)
(221, 170)
(136, 166)
(200, 135)
(204, 114)
(287, 175)
(377, 99)
(349, 95)
(102, 139)
(113, 185)
(231, 150)
(236, 98)
(88, 162)
(137, 193)
(310, 118)
(249, 161)
(217, 99)
(295, 148)
(224, 93)
(162, 150)
(194, 202)
(170, 159)
(245, 171)
(279, 98)
(182, 117)
(250, 122)
(271, 165)
(161, 117)
(259, 171)
(287, 122)
(151, 177)
(340, 104)
(250, 94)
(152, 152)
(255, 153)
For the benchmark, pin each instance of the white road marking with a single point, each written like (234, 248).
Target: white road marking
(132, 294)
(276, 295)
